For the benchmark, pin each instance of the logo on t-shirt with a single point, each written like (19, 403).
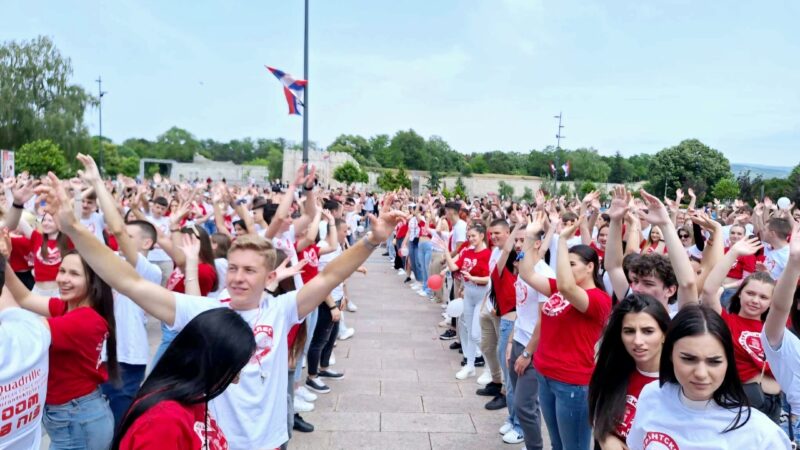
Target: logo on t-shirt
(469, 264)
(655, 440)
(555, 305)
(522, 292)
(751, 342)
(310, 255)
(174, 278)
(53, 256)
(624, 427)
(216, 440)
(263, 335)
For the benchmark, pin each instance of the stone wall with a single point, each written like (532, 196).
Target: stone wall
(202, 168)
(325, 162)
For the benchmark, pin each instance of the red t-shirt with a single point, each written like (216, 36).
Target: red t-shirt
(601, 253)
(20, 254)
(402, 230)
(172, 425)
(505, 291)
(206, 276)
(45, 269)
(474, 263)
(745, 263)
(636, 383)
(292, 335)
(747, 350)
(568, 336)
(310, 254)
(77, 340)
(424, 230)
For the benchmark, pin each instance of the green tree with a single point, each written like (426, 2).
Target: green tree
(726, 189)
(40, 156)
(460, 190)
(641, 166)
(349, 173)
(478, 164)
(689, 164)
(505, 190)
(621, 169)
(434, 181)
(409, 148)
(38, 101)
(585, 188)
(180, 145)
(356, 146)
(527, 195)
(386, 181)
(275, 163)
(402, 179)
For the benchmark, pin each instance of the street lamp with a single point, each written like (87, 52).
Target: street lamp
(100, 94)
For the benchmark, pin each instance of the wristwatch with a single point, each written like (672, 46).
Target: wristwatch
(525, 354)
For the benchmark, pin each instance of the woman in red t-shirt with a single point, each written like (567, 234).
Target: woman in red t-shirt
(748, 310)
(171, 408)
(628, 359)
(76, 415)
(655, 242)
(569, 328)
(46, 246)
(473, 265)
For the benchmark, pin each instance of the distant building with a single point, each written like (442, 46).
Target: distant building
(202, 168)
(325, 162)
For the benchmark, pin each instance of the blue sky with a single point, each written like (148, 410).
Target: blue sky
(634, 76)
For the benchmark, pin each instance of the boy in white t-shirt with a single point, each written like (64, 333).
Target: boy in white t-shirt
(776, 252)
(252, 413)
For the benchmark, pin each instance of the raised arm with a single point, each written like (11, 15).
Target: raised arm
(565, 279)
(714, 249)
(311, 232)
(21, 194)
(24, 297)
(151, 297)
(517, 231)
(314, 292)
(533, 234)
(783, 295)
(614, 252)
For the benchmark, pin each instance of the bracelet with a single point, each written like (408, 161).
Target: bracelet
(369, 244)
(17, 205)
(332, 307)
(305, 188)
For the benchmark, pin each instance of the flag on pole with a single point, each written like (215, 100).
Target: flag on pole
(552, 167)
(566, 168)
(293, 89)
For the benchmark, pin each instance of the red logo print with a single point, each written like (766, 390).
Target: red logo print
(469, 264)
(263, 336)
(655, 440)
(624, 426)
(751, 342)
(311, 256)
(216, 440)
(555, 305)
(522, 292)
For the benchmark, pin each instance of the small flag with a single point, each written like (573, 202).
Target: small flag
(552, 167)
(293, 89)
(566, 168)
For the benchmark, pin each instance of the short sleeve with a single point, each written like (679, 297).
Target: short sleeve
(148, 270)
(57, 307)
(288, 305)
(599, 304)
(187, 307)
(206, 274)
(553, 285)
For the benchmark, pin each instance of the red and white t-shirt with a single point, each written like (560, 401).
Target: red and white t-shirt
(474, 263)
(636, 382)
(568, 336)
(745, 263)
(172, 425)
(76, 367)
(206, 276)
(747, 349)
(311, 269)
(20, 259)
(601, 252)
(45, 269)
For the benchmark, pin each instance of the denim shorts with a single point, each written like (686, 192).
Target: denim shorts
(83, 423)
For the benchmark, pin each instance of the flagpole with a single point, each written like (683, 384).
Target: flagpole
(305, 94)
(558, 147)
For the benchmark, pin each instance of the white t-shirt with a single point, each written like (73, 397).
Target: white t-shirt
(665, 419)
(776, 260)
(571, 242)
(96, 223)
(352, 222)
(528, 300)
(157, 254)
(286, 242)
(24, 361)
(252, 413)
(459, 234)
(221, 266)
(132, 345)
(338, 292)
(784, 361)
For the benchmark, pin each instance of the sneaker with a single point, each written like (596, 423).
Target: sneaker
(301, 425)
(305, 394)
(332, 360)
(455, 345)
(485, 379)
(444, 305)
(465, 373)
(352, 307)
(422, 294)
(448, 335)
(513, 437)
(401, 272)
(480, 362)
(347, 333)
(331, 374)
(301, 405)
(506, 428)
(385, 254)
(407, 280)
(498, 402)
(490, 390)
(317, 385)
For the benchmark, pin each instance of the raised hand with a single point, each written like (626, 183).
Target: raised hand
(23, 192)
(57, 203)
(384, 224)
(568, 232)
(90, 173)
(678, 195)
(536, 225)
(619, 203)
(747, 246)
(656, 212)
(190, 245)
(283, 271)
(300, 175)
(5, 243)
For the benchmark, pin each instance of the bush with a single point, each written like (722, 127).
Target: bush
(39, 157)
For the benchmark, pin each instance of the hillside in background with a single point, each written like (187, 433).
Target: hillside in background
(766, 172)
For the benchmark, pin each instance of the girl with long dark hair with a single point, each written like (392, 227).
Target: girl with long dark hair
(172, 405)
(570, 325)
(627, 360)
(748, 310)
(699, 401)
(76, 415)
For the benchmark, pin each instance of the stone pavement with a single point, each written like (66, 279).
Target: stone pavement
(399, 390)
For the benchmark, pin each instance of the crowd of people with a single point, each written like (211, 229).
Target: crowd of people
(638, 324)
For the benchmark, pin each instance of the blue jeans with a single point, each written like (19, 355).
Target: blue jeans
(120, 397)
(565, 409)
(424, 253)
(167, 336)
(506, 328)
(390, 246)
(83, 423)
(412, 258)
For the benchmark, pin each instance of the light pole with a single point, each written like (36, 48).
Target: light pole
(559, 136)
(100, 95)
(305, 94)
